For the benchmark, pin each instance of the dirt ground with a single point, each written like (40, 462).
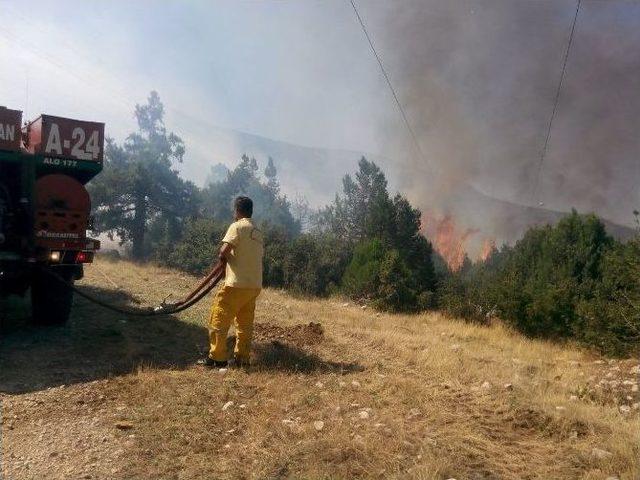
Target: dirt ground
(335, 391)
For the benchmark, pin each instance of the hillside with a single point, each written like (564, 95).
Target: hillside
(361, 395)
(312, 171)
(317, 173)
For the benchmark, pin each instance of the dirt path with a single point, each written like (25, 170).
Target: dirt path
(336, 392)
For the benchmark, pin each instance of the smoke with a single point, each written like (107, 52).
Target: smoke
(478, 79)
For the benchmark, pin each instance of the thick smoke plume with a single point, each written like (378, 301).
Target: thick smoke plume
(478, 79)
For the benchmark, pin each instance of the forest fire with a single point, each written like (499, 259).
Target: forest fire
(488, 246)
(453, 242)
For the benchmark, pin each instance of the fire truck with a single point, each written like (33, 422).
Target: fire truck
(45, 208)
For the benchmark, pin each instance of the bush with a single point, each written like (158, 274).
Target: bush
(306, 264)
(473, 292)
(196, 252)
(610, 319)
(571, 280)
(549, 272)
(381, 275)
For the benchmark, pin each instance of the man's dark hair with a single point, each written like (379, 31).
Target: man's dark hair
(244, 206)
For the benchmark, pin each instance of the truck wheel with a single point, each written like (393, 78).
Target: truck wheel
(50, 299)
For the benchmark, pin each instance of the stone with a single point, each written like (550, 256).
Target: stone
(413, 413)
(485, 385)
(508, 386)
(318, 425)
(624, 408)
(573, 398)
(319, 384)
(573, 435)
(363, 414)
(227, 405)
(355, 383)
(124, 425)
(600, 454)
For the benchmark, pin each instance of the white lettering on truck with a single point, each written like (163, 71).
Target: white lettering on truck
(91, 150)
(54, 145)
(7, 132)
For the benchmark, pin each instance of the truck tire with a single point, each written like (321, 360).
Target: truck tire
(51, 300)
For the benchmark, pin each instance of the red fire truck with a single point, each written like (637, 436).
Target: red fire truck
(45, 208)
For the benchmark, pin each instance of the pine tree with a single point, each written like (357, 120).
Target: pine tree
(139, 181)
(271, 173)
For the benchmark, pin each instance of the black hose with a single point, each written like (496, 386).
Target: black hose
(148, 311)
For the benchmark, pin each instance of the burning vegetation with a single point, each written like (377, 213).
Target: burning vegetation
(453, 242)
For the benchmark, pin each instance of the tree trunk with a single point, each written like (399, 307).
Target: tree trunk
(139, 228)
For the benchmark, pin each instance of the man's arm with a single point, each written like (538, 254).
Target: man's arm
(225, 252)
(230, 239)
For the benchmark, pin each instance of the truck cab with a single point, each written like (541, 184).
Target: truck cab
(45, 208)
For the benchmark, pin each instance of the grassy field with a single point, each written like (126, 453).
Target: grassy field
(363, 395)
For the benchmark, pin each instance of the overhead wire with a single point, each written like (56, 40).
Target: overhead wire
(387, 78)
(556, 101)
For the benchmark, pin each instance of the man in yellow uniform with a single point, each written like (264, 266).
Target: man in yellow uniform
(241, 252)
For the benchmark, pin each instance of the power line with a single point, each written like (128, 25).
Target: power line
(388, 80)
(555, 103)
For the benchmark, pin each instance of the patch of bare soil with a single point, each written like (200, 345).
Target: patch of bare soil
(297, 335)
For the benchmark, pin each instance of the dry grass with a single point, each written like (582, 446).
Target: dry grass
(399, 397)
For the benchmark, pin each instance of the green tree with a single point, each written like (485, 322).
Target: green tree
(271, 173)
(365, 216)
(139, 182)
(610, 318)
(270, 206)
(549, 271)
(217, 173)
(364, 210)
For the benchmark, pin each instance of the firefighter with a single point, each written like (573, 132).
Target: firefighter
(241, 254)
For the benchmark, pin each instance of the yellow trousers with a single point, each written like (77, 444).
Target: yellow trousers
(237, 305)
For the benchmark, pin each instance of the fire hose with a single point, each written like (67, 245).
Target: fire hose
(205, 286)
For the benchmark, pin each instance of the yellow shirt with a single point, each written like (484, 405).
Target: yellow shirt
(244, 265)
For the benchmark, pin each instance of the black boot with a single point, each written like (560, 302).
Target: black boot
(210, 362)
(240, 363)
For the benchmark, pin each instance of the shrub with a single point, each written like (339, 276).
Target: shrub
(381, 274)
(361, 277)
(610, 319)
(196, 251)
(571, 280)
(314, 265)
(549, 272)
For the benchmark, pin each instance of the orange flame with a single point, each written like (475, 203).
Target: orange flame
(488, 246)
(451, 241)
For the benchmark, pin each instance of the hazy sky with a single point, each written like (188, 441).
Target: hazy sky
(296, 71)
(477, 76)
